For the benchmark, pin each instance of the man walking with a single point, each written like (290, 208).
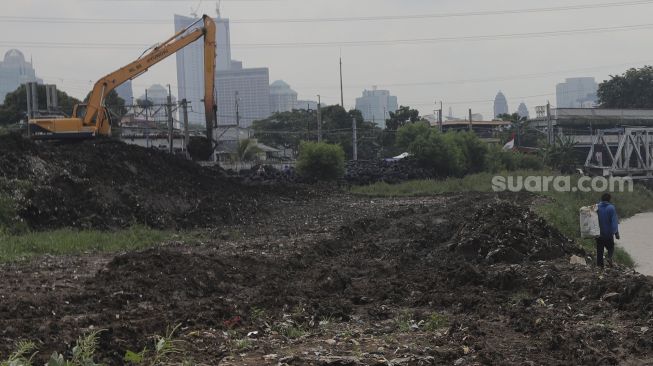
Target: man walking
(609, 224)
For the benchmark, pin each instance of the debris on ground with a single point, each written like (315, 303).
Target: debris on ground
(342, 280)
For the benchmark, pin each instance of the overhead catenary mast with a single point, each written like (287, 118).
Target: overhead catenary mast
(342, 97)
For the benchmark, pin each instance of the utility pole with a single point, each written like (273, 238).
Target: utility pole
(342, 96)
(147, 121)
(319, 119)
(32, 103)
(470, 119)
(170, 137)
(440, 117)
(308, 122)
(184, 108)
(354, 140)
(237, 111)
(549, 124)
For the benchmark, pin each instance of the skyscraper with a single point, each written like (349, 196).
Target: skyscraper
(523, 110)
(282, 97)
(577, 93)
(15, 71)
(249, 87)
(500, 105)
(190, 64)
(126, 92)
(376, 105)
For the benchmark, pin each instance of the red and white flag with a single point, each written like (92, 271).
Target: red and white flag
(510, 145)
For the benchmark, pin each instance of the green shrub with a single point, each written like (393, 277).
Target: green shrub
(10, 222)
(449, 154)
(408, 134)
(529, 162)
(497, 160)
(321, 161)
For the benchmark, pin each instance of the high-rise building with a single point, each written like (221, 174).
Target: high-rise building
(190, 64)
(376, 105)
(577, 93)
(282, 97)
(250, 88)
(126, 92)
(158, 96)
(500, 105)
(15, 71)
(522, 111)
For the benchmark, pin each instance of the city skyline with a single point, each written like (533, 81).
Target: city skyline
(457, 79)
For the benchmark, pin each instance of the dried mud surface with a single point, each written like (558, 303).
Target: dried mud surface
(468, 279)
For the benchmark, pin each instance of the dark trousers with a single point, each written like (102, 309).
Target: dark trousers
(601, 245)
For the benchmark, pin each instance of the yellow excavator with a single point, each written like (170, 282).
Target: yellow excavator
(92, 119)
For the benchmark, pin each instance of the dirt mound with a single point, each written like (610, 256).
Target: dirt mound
(109, 184)
(380, 272)
(371, 171)
(505, 232)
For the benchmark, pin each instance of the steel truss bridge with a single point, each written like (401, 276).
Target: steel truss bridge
(633, 156)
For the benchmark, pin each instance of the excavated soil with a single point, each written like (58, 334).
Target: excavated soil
(473, 279)
(106, 184)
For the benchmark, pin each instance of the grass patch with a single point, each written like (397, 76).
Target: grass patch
(69, 241)
(561, 212)
(471, 183)
(436, 321)
(291, 331)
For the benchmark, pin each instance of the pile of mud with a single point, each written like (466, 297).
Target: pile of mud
(365, 172)
(108, 184)
(380, 262)
(509, 233)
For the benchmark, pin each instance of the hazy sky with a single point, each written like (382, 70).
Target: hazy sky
(453, 65)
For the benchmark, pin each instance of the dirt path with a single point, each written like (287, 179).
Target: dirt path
(467, 279)
(637, 240)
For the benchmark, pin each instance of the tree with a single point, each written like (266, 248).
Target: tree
(514, 118)
(401, 117)
(247, 150)
(337, 127)
(285, 130)
(562, 155)
(409, 133)
(144, 103)
(321, 161)
(447, 154)
(288, 129)
(14, 108)
(115, 104)
(523, 134)
(633, 89)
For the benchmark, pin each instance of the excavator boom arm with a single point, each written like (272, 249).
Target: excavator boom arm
(158, 54)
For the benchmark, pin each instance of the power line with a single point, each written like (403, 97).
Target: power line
(22, 19)
(81, 84)
(407, 41)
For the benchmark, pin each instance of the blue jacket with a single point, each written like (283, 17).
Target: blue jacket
(608, 220)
